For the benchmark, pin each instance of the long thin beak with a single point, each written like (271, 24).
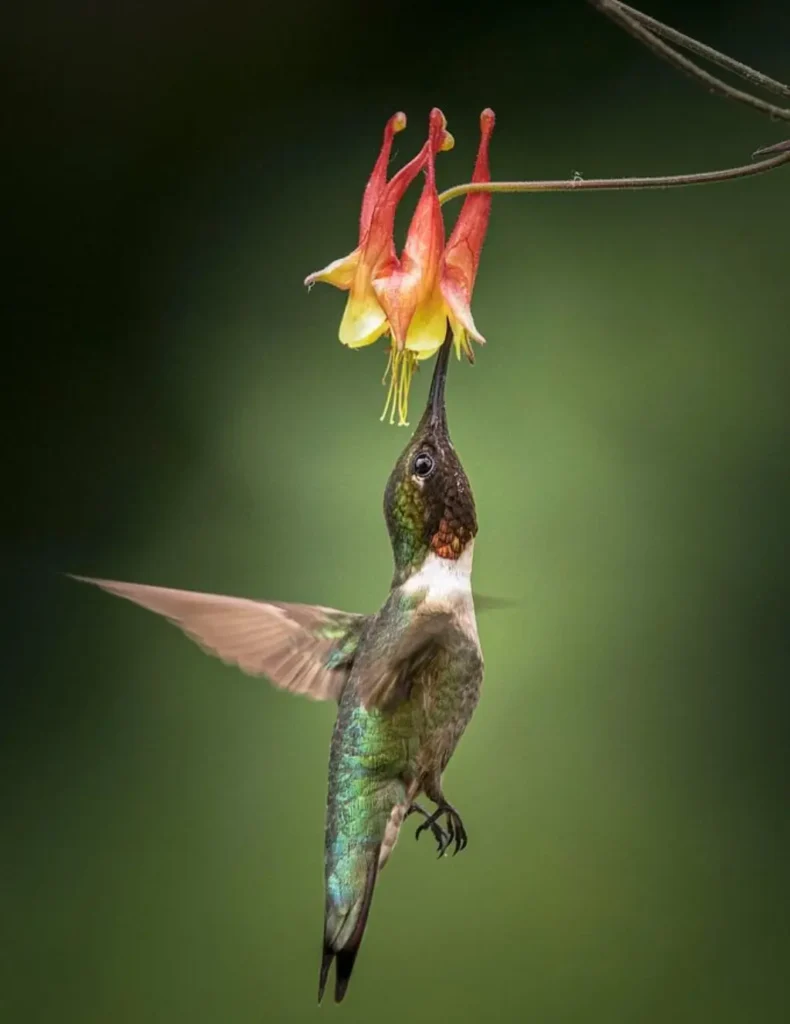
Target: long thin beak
(436, 409)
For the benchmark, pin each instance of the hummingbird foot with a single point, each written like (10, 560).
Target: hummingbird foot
(443, 839)
(455, 832)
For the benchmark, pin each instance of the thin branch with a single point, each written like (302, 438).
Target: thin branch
(778, 147)
(707, 52)
(619, 184)
(617, 13)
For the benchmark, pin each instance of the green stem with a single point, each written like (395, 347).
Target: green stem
(618, 184)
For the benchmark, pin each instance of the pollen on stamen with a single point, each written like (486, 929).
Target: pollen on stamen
(400, 367)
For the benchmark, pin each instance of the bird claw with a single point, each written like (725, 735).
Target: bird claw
(454, 833)
(443, 839)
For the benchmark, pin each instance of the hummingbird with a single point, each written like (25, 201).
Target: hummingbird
(406, 679)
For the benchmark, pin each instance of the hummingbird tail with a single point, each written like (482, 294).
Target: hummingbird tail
(343, 934)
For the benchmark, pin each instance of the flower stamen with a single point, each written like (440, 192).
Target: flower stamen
(400, 367)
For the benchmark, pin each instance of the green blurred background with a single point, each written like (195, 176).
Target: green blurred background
(180, 412)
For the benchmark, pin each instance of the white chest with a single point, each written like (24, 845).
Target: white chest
(444, 580)
(446, 584)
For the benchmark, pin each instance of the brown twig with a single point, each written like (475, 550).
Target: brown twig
(648, 30)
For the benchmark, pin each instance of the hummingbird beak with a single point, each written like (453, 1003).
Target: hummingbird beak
(436, 413)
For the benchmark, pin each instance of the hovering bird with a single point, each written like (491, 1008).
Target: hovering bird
(406, 679)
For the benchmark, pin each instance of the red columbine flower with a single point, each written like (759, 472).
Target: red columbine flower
(442, 279)
(413, 297)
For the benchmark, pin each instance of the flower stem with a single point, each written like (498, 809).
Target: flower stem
(579, 184)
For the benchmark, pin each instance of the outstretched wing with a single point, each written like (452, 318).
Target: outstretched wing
(302, 648)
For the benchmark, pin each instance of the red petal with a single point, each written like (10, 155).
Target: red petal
(378, 177)
(400, 287)
(378, 245)
(462, 255)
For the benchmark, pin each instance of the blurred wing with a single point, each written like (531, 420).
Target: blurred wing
(487, 603)
(385, 681)
(302, 648)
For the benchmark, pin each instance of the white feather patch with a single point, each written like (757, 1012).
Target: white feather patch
(444, 579)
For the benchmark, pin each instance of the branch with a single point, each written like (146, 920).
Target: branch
(647, 30)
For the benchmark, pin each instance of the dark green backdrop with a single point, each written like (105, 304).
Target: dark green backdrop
(180, 412)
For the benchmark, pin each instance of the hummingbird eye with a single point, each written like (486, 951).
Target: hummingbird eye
(423, 465)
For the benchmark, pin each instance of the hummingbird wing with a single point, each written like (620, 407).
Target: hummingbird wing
(302, 648)
(489, 603)
(384, 681)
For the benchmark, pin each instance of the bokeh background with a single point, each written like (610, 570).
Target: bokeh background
(178, 411)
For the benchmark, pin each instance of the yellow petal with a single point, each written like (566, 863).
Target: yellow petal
(339, 273)
(428, 326)
(363, 320)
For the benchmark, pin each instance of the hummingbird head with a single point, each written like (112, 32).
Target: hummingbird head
(428, 502)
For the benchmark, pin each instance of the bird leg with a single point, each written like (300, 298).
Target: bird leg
(455, 827)
(443, 839)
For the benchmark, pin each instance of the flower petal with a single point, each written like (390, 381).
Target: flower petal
(378, 178)
(364, 321)
(462, 254)
(402, 286)
(378, 245)
(457, 295)
(428, 326)
(339, 273)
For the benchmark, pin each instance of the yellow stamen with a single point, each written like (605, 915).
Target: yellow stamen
(400, 367)
(389, 367)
